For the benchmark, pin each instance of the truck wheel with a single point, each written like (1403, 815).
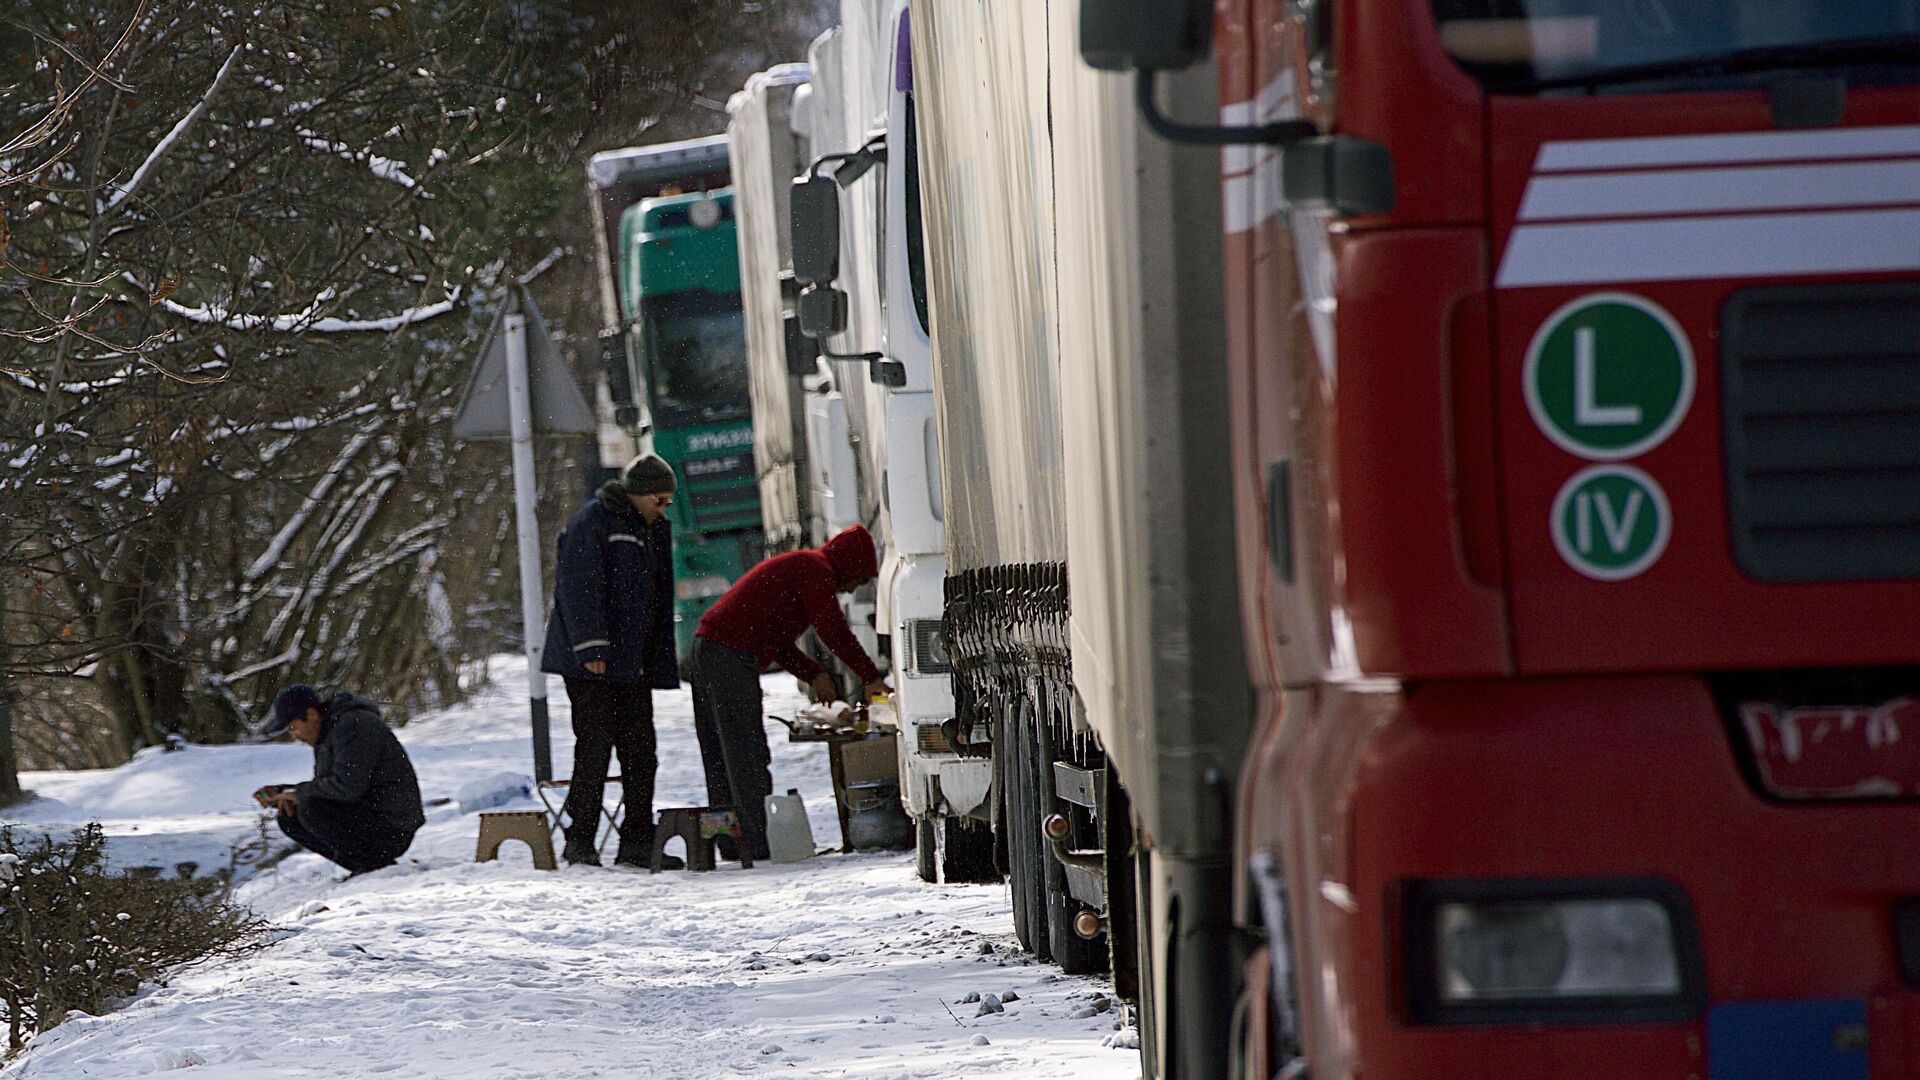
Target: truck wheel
(966, 853)
(1026, 870)
(925, 841)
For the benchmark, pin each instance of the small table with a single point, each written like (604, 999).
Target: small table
(870, 760)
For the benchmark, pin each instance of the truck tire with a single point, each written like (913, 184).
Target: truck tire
(925, 844)
(966, 853)
(1026, 858)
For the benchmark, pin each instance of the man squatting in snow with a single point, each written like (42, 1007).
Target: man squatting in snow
(362, 806)
(611, 638)
(754, 623)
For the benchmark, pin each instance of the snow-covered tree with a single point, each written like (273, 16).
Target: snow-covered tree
(244, 250)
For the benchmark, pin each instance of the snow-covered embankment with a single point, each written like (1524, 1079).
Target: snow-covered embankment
(440, 967)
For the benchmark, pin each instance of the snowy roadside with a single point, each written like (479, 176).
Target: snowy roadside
(440, 967)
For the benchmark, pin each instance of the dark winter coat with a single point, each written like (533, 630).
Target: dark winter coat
(358, 761)
(773, 603)
(613, 596)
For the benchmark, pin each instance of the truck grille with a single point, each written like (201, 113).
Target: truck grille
(930, 739)
(929, 647)
(1822, 395)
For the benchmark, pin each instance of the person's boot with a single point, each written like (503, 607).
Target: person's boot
(639, 856)
(645, 862)
(580, 854)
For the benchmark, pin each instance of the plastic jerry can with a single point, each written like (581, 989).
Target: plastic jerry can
(789, 835)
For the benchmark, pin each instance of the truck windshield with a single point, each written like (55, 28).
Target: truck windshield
(696, 353)
(1530, 46)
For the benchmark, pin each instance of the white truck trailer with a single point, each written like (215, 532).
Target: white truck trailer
(1078, 343)
(872, 286)
(783, 366)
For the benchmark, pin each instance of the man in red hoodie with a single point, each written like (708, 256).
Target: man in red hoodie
(758, 622)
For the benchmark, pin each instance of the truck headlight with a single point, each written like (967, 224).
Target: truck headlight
(927, 640)
(1584, 950)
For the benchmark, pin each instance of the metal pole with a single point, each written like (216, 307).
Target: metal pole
(9, 760)
(532, 606)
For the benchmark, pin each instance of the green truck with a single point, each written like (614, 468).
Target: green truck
(677, 377)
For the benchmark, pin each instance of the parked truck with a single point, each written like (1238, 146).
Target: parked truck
(1559, 361)
(805, 443)
(1079, 343)
(857, 122)
(1580, 527)
(766, 149)
(675, 356)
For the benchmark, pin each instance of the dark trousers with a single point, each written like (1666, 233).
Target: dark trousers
(610, 716)
(733, 736)
(346, 833)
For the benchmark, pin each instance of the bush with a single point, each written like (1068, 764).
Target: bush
(77, 935)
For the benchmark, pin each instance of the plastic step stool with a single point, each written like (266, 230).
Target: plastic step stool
(527, 826)
(699, 827)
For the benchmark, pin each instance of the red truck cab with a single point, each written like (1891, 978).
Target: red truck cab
(1578, 496)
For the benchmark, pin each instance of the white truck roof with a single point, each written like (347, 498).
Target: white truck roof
(641, 164)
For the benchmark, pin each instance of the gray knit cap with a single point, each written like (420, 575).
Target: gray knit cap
(648, 475)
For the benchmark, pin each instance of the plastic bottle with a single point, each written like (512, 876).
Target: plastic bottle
(864, 720)
(789, 834)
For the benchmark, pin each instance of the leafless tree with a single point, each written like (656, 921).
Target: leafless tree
(243, 257)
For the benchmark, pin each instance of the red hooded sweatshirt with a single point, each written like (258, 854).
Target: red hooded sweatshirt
(773, 603)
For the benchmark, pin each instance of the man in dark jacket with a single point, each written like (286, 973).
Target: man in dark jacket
(362, 806)
(611, 638)
(756, 622)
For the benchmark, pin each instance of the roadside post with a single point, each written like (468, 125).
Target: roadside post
(520, 388)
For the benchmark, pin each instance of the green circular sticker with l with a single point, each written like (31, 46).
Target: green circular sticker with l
(1610, 522)
(1608, 376)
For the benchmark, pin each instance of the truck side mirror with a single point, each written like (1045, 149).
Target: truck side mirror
(1149, 36)
(1338, 173)
(815, 209)
(613, 364)
(803, 352)
(1144, 35)
(823, 310)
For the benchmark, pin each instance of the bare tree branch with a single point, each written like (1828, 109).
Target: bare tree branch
(123, 192)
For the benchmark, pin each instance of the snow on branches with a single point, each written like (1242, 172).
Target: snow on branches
(309, 322)
(122, 192)
(241, 250)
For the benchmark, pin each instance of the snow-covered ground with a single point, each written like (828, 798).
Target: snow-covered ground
(843, 965)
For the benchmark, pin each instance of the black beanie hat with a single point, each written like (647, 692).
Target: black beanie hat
(647, 475)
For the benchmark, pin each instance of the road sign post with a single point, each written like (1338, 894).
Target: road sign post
(520, 413)
(520, 388)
